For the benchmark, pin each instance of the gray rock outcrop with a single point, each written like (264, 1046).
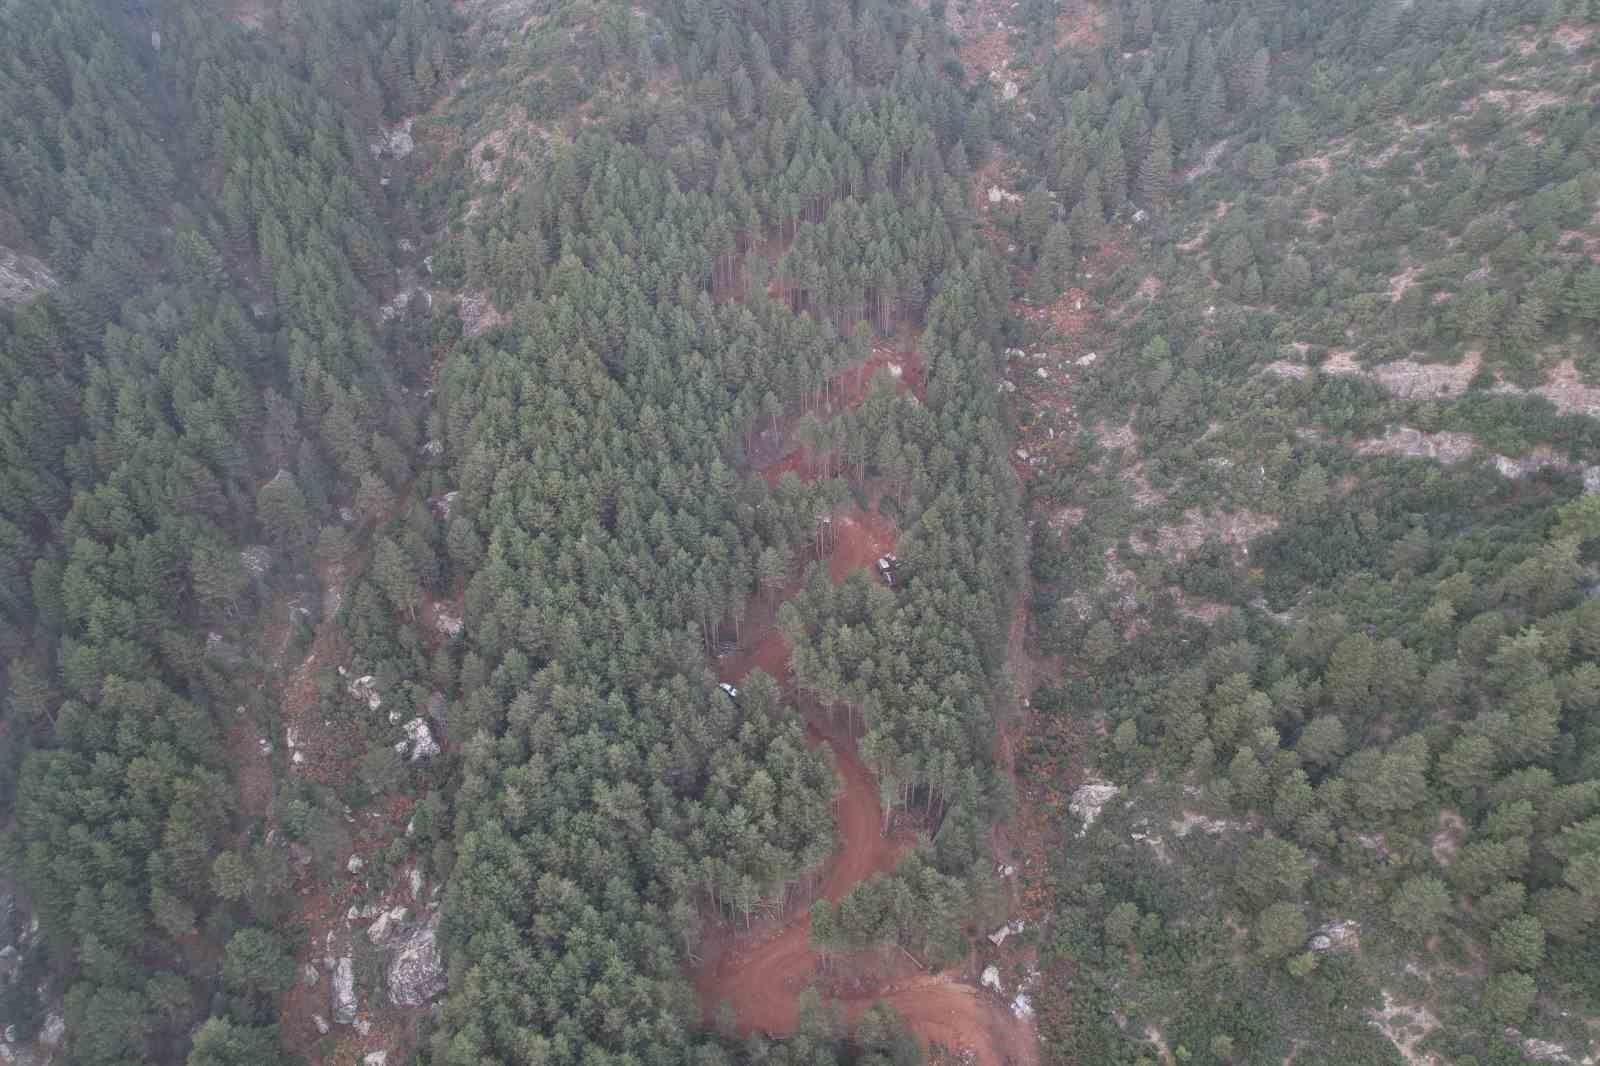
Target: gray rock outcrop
(416, 968)
(344, 991)
(419, 742)
(22, 277)
(1088, 800)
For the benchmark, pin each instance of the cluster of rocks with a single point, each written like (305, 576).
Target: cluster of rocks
(451, 625)
(256, 560)
(395, 142)
(1337, 935)
(40, 1050)
(364, 688)
(412, 963)
(14, 945)
(419, 742)
(1536, 1050)
(1021, 1003)
(1011, 928)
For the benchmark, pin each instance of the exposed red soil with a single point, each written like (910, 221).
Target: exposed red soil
(770, 655)
(848, 389)
(859, 539)
(985, 41)
(1069, 316)
(958, 1016)
(761, 979)
(796, 461)
(252, 770)
(1079, 25)
(904, 365)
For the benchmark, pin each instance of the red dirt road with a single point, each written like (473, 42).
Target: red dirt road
(761, 979)
(939, 1010)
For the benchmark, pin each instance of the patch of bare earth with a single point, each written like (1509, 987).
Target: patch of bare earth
(1564, 386)
(1112, 438)
(1571, 37)
(478, 313)
(1236, 530)
(985, 37)
(1405, 1026)
(1402, 282)
(1068, 318)
(1285, 368)
(1207, 612)
(1197, 240)
(1322, 164)
(1447, 448)
(1410, 379)
(1159, 1041)
(1516, 101)
(1447, 840)
(1081, 24)
(251, 14)
(1066, 518)
(1143, 494)
(1120, 583)
(1341, 361)
(1208, 162)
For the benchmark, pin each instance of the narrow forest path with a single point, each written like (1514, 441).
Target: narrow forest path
(761, 979)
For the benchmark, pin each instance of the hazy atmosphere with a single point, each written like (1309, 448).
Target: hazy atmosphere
(799, 532)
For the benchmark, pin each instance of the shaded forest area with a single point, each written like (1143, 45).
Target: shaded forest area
(223, 393)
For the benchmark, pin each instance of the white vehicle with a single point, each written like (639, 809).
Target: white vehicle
(731, 692)
(886, 565)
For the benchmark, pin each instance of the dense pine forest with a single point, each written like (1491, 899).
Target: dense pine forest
(829, 532)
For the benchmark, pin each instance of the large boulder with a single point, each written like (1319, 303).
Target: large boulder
(419, 742)
(416, 967)
(22, 277)
(1088, 800)
(344, 992)
(365, 688)
(385, 925)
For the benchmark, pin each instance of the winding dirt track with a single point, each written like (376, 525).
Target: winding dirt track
(762, 979)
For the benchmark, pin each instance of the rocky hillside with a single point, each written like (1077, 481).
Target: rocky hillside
(1304, 393)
